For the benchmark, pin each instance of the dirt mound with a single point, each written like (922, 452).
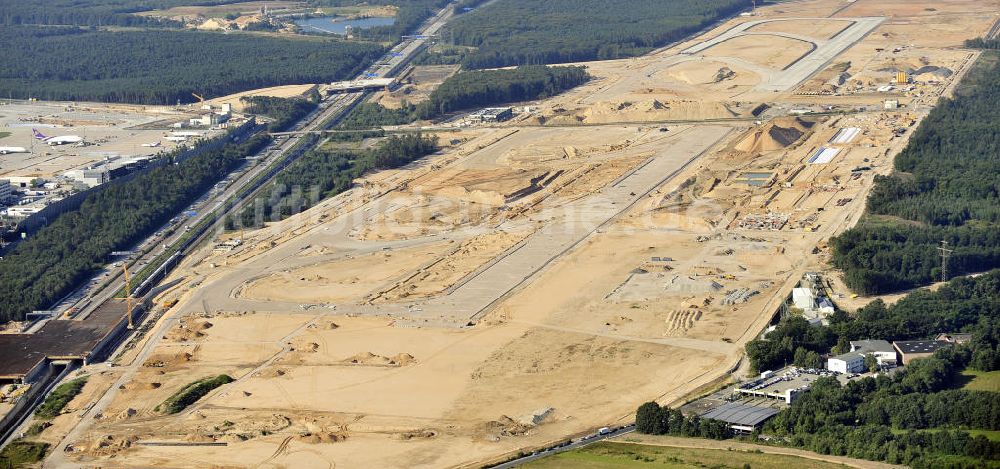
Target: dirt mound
(416, 434)
(774, 135)
(505, 426)
(272, 373)
(653, 109)
(320, 437)
(126, 414)
(724, 73)
(163, 360)
(371, 359)
(186, 331)
(133, 385)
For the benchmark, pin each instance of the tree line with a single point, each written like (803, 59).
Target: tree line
(653, 419)
(165, 67)
(945, 188)
(63, 254)
(284, 112)
(530, 32)
(473, 89)
(964, 304)
(322, 173)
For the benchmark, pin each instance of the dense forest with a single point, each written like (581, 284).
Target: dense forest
(163, 67)
(47, 266)
(473, 89)
(91, 12)
(963, 305)
(946, 187)
(283, 112)
(322, 173)
(530, 32)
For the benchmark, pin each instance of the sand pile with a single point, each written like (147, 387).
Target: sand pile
(371, 359)
(320, 437)
(187, 331)
(504, 427)
(163, 360)
(126, 414)
(775, 135)
(423, 433)
(724, 73)
(651, 110)
(134, 385)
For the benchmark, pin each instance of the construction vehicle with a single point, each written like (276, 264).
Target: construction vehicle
(201, 99)
(129, 299)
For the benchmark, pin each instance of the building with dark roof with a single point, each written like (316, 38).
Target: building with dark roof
(955, 338)
(741, 417)
(910, 350)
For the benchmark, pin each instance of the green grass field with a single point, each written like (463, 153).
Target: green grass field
(981, 380)
(4, 134)
(605, 455)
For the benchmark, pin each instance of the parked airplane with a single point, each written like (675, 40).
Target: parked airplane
(151, 145)
(8, 150)
(60, 140)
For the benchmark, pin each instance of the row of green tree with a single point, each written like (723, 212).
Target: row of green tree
(964, 304)
(166, 67)
(472, 89)
(863, 419)
(945, 188)
(983, 43)
(322, 173)
(283, 112)
(652, 419)
(60, 256)
(526, 32)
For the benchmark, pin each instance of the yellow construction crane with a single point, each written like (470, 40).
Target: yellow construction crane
(200, 98)
(129, 299)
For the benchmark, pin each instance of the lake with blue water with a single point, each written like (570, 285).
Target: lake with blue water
(325, 24)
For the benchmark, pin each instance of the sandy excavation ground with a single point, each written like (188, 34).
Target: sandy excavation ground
(339, 325)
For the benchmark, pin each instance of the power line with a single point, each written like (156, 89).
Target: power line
(945, 254)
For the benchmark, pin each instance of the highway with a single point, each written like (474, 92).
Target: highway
(566, 446)
(213, 206)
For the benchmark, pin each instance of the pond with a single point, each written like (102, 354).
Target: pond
(332, 25)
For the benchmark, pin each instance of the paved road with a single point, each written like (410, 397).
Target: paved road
(802, 69)
(566, 446)
(475, 295)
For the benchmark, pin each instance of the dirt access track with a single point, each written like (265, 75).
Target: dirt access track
(539, 278)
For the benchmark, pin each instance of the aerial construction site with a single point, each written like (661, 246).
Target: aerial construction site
(537, 278)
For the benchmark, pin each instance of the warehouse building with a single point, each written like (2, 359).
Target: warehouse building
(881, 349)
(741, 418)
(909, 350)
(850, 362)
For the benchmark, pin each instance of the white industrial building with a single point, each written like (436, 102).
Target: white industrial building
(850, 362)
(881, 349)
